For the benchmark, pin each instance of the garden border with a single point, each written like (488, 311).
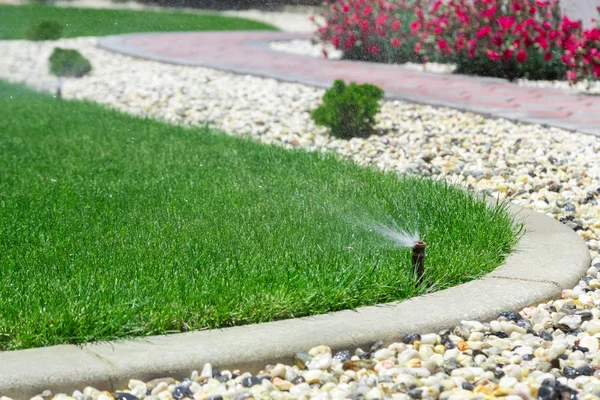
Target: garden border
(549, 258)
(247, 52)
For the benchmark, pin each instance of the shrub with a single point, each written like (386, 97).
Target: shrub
(501, 38)
(348, 110)
(44, 30)
(67, 62)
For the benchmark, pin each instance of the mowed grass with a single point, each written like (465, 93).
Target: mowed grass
(113, 226)
(15, 20)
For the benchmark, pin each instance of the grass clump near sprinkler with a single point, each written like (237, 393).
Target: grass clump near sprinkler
(69, 63)
(46, 29)
(349, 110)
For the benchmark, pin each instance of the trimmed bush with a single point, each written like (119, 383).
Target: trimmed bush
(44, 30)
(349, 110)
(68, 62)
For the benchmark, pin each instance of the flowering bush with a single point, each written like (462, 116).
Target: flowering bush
(502, 38)
(369, 30)
(581, 50)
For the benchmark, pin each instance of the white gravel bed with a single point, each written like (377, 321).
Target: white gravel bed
(538, 352)
(315, 49)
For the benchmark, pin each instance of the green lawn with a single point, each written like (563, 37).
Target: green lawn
(14, 21)
(114, 226)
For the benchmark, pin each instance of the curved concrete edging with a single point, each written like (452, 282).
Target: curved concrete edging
(549, 258)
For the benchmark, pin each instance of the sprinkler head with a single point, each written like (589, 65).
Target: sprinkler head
(418, 259)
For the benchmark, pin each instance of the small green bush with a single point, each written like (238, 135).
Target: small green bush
(67, 62)
(44, 30)
(348, 110)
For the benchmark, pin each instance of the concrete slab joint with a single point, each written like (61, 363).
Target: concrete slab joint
(549, 258)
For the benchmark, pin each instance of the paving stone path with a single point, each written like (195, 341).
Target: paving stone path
(249, 53)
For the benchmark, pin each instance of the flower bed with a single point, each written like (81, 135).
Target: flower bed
(501, 38)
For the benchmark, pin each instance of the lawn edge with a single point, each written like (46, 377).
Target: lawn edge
(549, 258)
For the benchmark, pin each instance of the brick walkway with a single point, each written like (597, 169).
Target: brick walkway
(248, 53)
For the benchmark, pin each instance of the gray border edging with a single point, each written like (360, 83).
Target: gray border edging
(549, 258)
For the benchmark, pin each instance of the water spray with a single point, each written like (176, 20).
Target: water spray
(418, 259)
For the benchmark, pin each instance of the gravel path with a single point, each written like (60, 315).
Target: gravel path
(541, 352)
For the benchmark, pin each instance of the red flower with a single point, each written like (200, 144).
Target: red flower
(395, 42)
(493, 55)
(345, 8)
(336, 41)
(381, 19)
(547, 56)
(532, 10)
(367, 11)
(484, 31)
(414, 26)
(489, 13)
(521, 56)
(506, 22)
(507, 54)
(396, 25)
(443, 45)
(373, 48)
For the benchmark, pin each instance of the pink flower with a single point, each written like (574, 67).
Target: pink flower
(484, 31)
(443, 45)
(336, 41)
(506, 22)
(367, 11)
(571, 76)
(373, 48)
(345, 8)
(396, 25)
(418, 48)
(381, 19)
(415, 26)
(521, 56)
(395, 42)
(493, 55)
(489, 13)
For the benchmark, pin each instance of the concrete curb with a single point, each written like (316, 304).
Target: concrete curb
(549, 258)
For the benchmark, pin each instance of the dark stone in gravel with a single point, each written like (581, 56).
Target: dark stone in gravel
(498, 373)
(546, 336)
(126, 396)
(468, 386)
(250, 381)
(585, 315)
(411, 338)
(215, 397)
(581, 349)
(223, 378)
(500, 334)
(343, 355)
(510, 315)
(547, 393)
(570, 372)
(525, 324)
(264, 376)
(182, 392)
(586, 371)
(243, 396)
(528, 357)
(570, 207)
(555, 363)
(298, 379)
(415, 393)
(450, 365)
(216, 373)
